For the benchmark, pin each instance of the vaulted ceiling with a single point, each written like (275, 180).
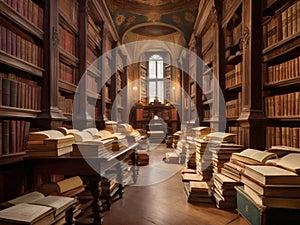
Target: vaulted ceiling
(171, 20)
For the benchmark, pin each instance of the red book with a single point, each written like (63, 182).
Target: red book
(18, 47)
(25, 8)
(5, 137)
(13, 137)
(13, 44)
(3, 38)
(8, 41)
(20, 7)
(40, 18)
(35, 13)
(13, 4)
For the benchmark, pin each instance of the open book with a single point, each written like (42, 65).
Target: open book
(283, 150)
(253, 156)
(58, 203)
(25, 213)
(221, 136)
(290, 162)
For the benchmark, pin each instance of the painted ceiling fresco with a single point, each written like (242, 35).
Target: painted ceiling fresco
(178, 13)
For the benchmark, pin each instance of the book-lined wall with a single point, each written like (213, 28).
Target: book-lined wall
(44, 51)
(281, 78)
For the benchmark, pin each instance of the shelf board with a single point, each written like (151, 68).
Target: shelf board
(237, 87)
(18, 19)
(67, 87)
(284, 118)
(282, 48)
(207, 102)
(232, 119)
(93, 94)
(273, 6)
(68, 116)
(283, 83)
(93, 71)
(20, 64)
(234, 59)
(7, 111)
(67, 57)
(12, 158)
(206, 120)
(65, 22)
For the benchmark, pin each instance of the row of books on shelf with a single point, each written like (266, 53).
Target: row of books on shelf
(234, 107)
(289, 136)
(284, 71)
(20, 47)
(67, 40)
(13, 135)
(283, 105)
(65, 104)
(240, 134)
(69, 9)
(67, 73)
(289, 19)
(19, 92)
(233, 37)
(234, 76)
(207, 83)
(29, 10)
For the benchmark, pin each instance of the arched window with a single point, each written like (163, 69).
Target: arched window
(156, 78)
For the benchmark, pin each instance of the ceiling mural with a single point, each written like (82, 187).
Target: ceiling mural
(179, 14)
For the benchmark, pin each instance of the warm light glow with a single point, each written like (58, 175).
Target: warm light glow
(134, 88)
(155, 117)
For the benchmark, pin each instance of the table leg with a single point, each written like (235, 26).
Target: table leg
(94, 183)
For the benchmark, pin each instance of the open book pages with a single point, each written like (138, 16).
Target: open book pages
(25, 213)
(41, 135)
(93, 131)
(82, 136)
(221, 136)
(253, 156)
(290, 162)
(27, 198)
(283, 150)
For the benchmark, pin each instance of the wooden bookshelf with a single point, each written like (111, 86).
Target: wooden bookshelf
(281, 72)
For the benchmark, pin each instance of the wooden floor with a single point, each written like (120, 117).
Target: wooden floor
(164, 203)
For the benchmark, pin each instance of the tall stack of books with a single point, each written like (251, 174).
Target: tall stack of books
(49, 143)
(223, 191)
(203, 159)
(276, 185)
(176, 137)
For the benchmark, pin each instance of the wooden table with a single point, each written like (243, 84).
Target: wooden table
(69, 165)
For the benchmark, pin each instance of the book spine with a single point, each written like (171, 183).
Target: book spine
(6, 92)
(13, 93)
(13, 137)
(5, 137)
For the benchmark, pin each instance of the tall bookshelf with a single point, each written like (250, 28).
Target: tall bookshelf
(44, 51)
(22, 70)
(232, 26)
(280, 70)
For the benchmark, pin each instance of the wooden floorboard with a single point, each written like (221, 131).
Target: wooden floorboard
(165, 203)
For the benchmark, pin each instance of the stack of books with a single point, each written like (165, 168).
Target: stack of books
(203, 159)
(221, 153)
(176, 138)
(49, 143)
(276, 185)
(35, 208)
(239, 160)
(197, 192)
(223, 191)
